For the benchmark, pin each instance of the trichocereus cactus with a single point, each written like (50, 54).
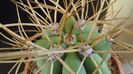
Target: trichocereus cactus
(75, 35)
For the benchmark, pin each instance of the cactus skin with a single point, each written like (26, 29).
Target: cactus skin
(46, 44)
(69, 25)
(86, 31)
(57, 65)
(103, 45)
(88, 26)
(92, 62)
(74, 62)
(104, 67)
(43, 43)
(46, 68)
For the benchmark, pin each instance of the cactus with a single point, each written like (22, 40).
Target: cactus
(72, 59)
(67, 46)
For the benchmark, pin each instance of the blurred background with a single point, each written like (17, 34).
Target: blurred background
(8, 15)
(126, 9)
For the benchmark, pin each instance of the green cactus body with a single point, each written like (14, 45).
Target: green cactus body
(104, 67)
(46, 44)
(83, 37)
(57, 65)
(85, 31)
(72, 59)
(103, 45)
(76, 31)
(46, 66)
(92, 62)
(74, 62)
(43, 42)
(88, 26)
(69, 25)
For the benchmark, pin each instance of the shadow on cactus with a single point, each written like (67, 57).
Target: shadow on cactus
(67, 39)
